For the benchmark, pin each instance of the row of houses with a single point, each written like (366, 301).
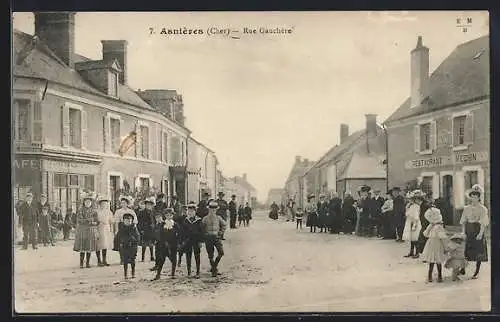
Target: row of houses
(239, 186)
(438, 139)
(72, 113)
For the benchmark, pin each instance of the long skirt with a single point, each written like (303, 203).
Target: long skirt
(475, 250)
(86, 238)
(105, 240)
(312, 220)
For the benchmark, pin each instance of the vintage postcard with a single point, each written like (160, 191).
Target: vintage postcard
(251, 162)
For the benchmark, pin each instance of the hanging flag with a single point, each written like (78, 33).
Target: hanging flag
(127, 143)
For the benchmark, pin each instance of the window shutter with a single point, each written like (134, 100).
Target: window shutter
(107, 134)
(138, 140)
(159, 144)
(435, 186)
(433, 135)
(151, 152)
(65, 125)
(459, 189)
(416, 137)
(37, 134)
(137, 183)
(84, 127)
(469, 128)
(452, 133)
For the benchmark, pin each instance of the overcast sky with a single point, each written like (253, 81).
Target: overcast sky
(263, 99)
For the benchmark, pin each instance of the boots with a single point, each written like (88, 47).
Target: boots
(82, 257)
(99, 261)
(440, 276)
(151, 254)
(143, 253)
(104, 261)
(87, 260)
(132, 265)
(125, 270)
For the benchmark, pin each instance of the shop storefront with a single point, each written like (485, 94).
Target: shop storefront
(27, 171)
(178, 183)
(63, 181)
(449, 177)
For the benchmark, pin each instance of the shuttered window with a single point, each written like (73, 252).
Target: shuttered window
(459, 130)
(144, 141)
(165, 147)
(425, 137)
(75, 128)
(115, 135)
(22, 110)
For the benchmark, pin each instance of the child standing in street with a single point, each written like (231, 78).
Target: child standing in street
(456, 251)
(45, 226)
(434, 250)
(298, 217)
(128, 240)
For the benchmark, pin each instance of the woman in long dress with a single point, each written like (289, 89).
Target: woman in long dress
(413, 226)
(86, 230)
(105, 241)
(474, 222)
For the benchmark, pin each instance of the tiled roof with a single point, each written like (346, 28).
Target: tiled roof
(41, 63)
(363, 165)
(298, 170)
(463, 76)
(97, 64)
(245, 184)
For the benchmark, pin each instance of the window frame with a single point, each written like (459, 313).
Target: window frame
(432, 136)
(463, 146)
(29, 129)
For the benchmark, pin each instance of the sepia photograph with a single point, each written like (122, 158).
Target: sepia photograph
(279, 161)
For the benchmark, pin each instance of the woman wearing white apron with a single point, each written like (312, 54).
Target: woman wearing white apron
(105, 240)
(413, 225)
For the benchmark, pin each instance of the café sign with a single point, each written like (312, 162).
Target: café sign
(449, 160)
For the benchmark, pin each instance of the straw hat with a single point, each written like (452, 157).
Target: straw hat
(87, 195)
(477, 189)
(433, 215)
(128, 199)
(418, 194)
(102, 198)
(150, 200)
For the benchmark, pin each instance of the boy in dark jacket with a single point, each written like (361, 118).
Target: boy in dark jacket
(45, 226)
(128, 241)
(168, 245)
(193, 236)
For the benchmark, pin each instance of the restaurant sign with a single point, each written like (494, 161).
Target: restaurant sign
(450, 160)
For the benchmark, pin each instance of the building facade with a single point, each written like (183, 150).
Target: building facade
(274, 195)
(202, 171)
(71, 116)
(240, 187)
(295, 185)
(358, 159)
(441, 134)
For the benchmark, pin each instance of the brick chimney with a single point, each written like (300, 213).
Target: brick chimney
(344, 132)
(306, 161)
(245, 176)
(419, 73)
(116, 49)
(297, 159)
(57, 31)
(371, 124)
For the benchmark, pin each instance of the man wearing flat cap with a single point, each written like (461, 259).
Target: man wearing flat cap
(29, 216)
(214, 227)
(233, 212)
(223, 208)
(399, 210)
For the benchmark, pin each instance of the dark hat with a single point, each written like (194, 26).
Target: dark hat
(213, 205)
(29, 194)
(160, 195)
(46, 206)
(311, 196)
(206, 194)
(221, 193)
(43, 195)
(389, 192)
(191, 205)
(233, 196)
(169, 210)
(365, 189)
(128, 215)
(397, 189)
(174, 197)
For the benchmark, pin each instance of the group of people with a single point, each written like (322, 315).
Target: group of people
(168, 232)
(40, 223)
(405, 217)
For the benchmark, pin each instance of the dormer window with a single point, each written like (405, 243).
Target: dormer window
(112, 83)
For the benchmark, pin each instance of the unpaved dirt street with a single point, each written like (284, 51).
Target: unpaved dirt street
(268, 266)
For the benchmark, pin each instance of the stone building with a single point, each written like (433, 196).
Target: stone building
(357, 160)
(294, 185)
(440, 135)
(202, 171)
(71, 114)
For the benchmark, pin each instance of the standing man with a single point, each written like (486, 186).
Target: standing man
(335, 210)
(248, 214)
(223, 209)
(366, 206)
(214, 227)
(322, 209)
(398, 209)
(377, 216)
(233, 212)
(161, 205)
(202, 210)
(29, 219)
